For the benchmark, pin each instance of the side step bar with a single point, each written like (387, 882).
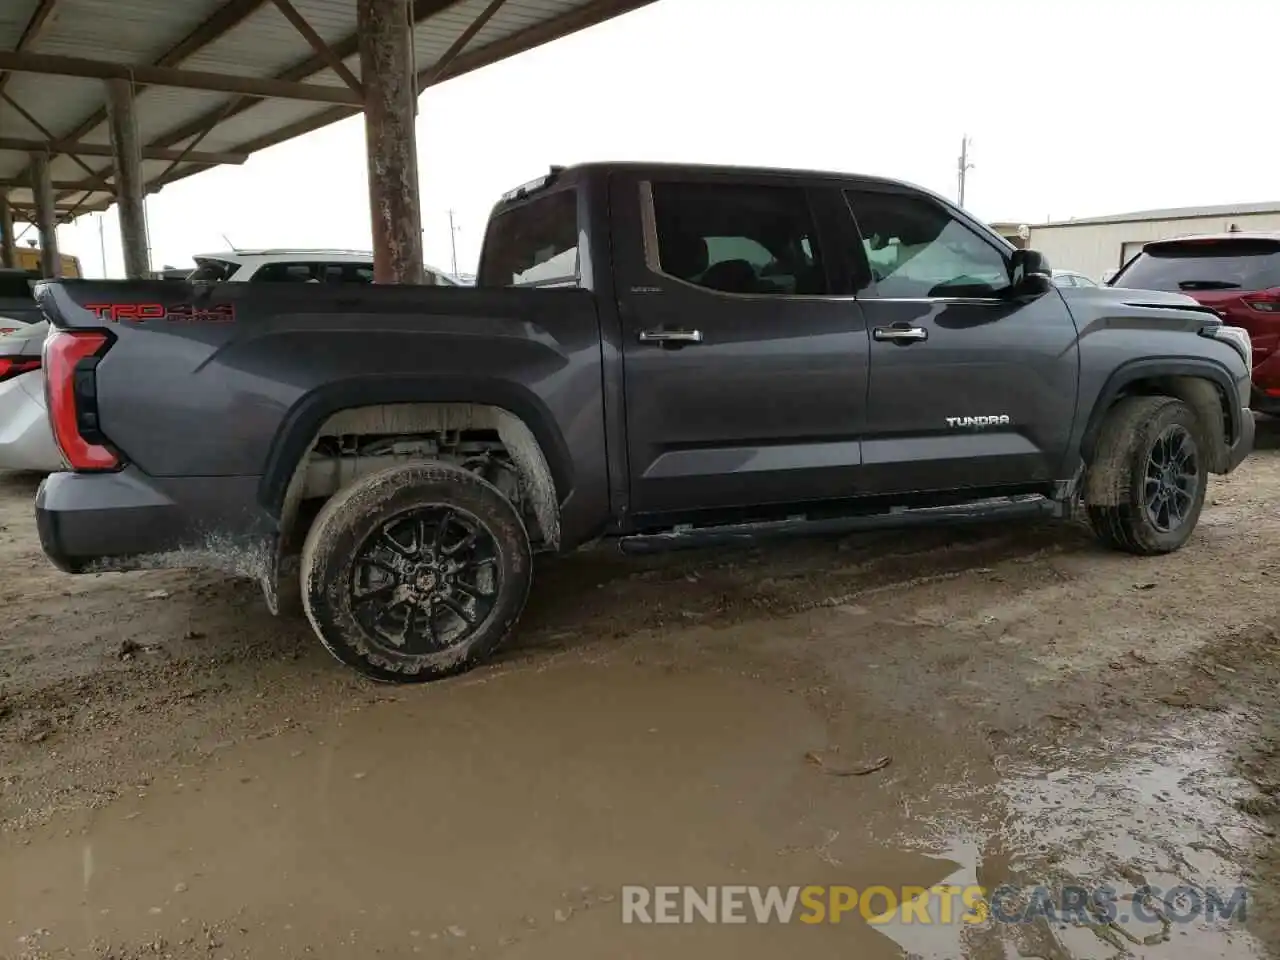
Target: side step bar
(740, 534)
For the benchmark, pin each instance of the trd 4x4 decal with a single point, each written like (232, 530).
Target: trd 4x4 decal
(174, 312)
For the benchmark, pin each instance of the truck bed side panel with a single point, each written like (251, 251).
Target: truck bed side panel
(215, 382)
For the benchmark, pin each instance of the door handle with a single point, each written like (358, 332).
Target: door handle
(901, 334)
(671, 338)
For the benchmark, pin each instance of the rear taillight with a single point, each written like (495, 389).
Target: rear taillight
(70, 359)
(1265, 301)
(11, 367)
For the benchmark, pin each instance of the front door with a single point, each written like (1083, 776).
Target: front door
(968, 387)
(745, 379)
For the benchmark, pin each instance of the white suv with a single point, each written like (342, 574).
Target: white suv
(26, 442)
(297, 266)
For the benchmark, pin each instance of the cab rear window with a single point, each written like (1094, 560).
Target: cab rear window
(533, 244)
(1204, 265)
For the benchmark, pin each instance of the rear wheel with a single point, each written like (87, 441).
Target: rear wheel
(1149, 476)
(416, 572)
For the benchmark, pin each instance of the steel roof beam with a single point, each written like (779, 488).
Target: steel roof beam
(346, 47)
(318, 45)
(223, 20)
(32, 31)
(49, 64)
(48, 135)
(462, 63)
(428, 76)
(103, 150)
(12, 183)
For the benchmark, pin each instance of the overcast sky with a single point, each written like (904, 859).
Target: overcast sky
(1075, 108)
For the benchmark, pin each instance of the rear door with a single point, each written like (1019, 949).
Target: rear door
(745, 378)
(969, 388)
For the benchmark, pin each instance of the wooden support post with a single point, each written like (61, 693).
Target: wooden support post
(8, 253)
(127, 153)
(391, 95)
(46, 216)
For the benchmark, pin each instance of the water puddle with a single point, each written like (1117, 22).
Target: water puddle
(499, 816)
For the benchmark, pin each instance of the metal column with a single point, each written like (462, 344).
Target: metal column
(46, 216)
(127, 152)
(390, 88)
(8, 253)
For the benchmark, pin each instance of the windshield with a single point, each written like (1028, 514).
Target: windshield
(1214, 265)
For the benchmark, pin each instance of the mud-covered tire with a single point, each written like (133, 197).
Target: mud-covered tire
(349, 541)
(1118, 487)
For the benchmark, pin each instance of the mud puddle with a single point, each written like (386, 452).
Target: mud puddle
(499, 815)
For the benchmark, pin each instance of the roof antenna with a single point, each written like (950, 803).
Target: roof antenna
(233, 247)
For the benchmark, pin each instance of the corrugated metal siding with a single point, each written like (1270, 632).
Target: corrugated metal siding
(122, 31)
(14, 17)
(1096, 249)
(263, 45)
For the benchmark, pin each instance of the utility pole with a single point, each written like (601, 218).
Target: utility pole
(102, 243)
(453, 243)
(965, 166)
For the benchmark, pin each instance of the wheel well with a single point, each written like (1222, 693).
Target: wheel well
(1201, 394)
(490, 441)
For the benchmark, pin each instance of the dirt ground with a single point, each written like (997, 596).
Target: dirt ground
(181, 774)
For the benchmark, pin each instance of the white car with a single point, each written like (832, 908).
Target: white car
(1069, 278)
(26, 442)
(297, 266)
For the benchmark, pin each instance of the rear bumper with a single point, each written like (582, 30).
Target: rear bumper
(92, 522)
(1266, 377)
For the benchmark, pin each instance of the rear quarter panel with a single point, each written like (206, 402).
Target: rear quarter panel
(216, 399)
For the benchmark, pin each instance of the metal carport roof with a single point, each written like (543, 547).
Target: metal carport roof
(217, 80)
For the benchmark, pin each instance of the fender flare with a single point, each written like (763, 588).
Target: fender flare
(1156, 368)
(298, 430)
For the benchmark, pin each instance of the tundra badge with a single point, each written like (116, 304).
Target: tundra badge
(1000, 421)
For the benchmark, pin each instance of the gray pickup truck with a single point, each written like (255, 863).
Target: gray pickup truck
(665, 355)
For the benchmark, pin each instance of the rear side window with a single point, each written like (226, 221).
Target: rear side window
(534, 244)
(288, 273)
(738, 238)
(348, 273)
(212, 271)
(1204, 265)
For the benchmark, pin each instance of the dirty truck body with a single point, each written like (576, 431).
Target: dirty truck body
(665, 355)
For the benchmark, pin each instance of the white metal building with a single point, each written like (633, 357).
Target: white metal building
(1098, 246)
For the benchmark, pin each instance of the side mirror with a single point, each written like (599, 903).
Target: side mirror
(1025, 264)
(1029, 272)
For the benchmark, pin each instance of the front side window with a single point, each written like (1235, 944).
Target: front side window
(738, 238)
(534, 244)
(916, 249)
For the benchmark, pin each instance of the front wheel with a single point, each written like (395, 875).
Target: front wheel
(415, 572)
(1149, 475)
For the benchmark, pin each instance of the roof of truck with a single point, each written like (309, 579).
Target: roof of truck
(666, 165)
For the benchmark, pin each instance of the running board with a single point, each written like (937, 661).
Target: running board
(739, 534)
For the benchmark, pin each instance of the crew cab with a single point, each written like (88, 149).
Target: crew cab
(665, 355)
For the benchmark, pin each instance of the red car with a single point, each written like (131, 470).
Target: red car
(1238, 274)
